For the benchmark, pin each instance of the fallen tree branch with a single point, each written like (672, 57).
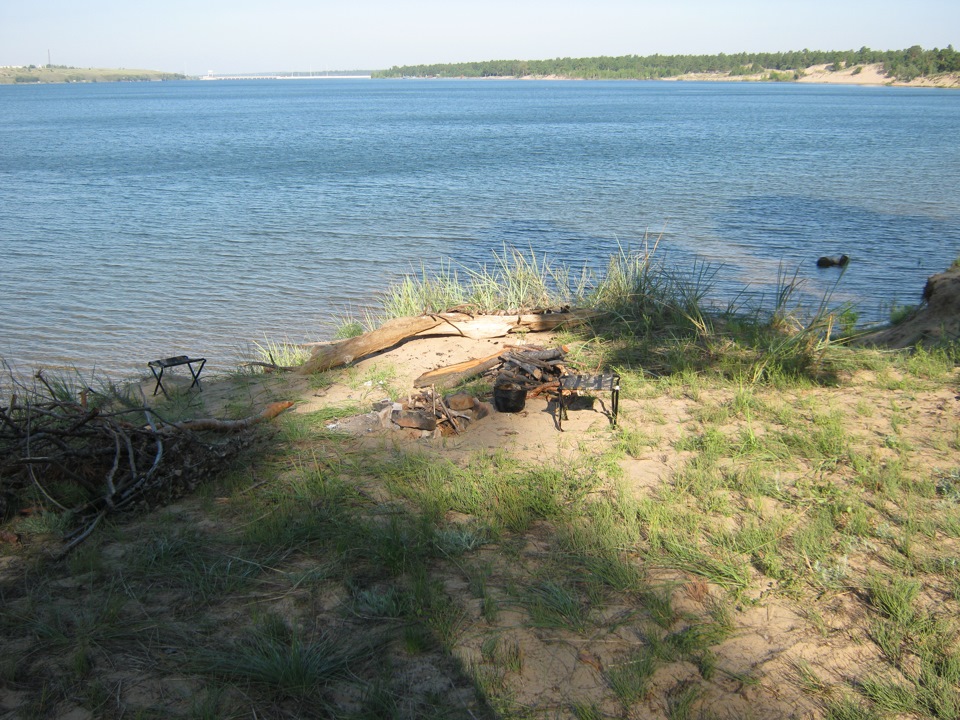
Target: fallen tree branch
(395, 331)
(387, 335)
(56, 448)
(447, 377)
(268, 413)
(271, 366)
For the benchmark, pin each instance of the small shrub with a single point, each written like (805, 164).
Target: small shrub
(901, 313)
(348, 329)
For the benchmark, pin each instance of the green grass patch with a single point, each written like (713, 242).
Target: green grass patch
(506, 495)
(282, 353)
(287, 662)
(631, 680)
(554, 605)
(720, 567)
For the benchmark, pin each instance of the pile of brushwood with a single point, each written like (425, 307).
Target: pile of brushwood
(431, 414)
(98, 454)
(533, 369)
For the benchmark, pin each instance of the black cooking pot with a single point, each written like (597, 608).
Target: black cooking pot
(509, 398)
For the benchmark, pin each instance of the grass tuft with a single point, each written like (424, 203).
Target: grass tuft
(894, 597)
(552, 605)
(286, 662)
(631, 680)
(281, 352)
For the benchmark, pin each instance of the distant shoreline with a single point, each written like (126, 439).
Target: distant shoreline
(865, 75)
(913, 66)
(279, 76)
(58, 75)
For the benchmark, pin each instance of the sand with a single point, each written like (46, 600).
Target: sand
(818, 74)
(871, 75)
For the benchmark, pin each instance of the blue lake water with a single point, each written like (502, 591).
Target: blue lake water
(147, 220)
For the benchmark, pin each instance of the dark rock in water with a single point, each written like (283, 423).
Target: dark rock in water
(829, 261)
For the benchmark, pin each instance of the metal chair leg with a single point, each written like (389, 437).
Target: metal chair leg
(159, 379)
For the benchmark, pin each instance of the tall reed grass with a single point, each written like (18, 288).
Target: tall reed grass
(664, 319)
(514, 282)
(665, 312)
(634, 285)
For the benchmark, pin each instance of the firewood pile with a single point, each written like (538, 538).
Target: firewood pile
(529, 370)
(533, 369)
(94, 456)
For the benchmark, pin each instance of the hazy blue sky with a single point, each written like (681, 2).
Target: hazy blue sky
(241, 36)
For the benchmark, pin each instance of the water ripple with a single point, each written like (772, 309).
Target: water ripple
(140, 222)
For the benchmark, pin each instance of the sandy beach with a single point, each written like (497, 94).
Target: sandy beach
(871, 75)
(819, 74)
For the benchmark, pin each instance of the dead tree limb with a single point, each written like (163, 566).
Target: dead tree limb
(396, 331)
(268, 413)
(387, 335)
(56, 447)
(447, 377)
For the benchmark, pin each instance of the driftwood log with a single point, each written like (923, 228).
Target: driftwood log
(385, 336)
(521, 365)
(215, 425)
(396, 331)
(451, 375)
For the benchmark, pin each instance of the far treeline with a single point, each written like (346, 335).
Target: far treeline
(900, 65)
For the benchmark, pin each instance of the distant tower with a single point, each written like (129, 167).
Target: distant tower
(48, 59)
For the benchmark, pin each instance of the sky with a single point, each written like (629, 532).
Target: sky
(236, 36)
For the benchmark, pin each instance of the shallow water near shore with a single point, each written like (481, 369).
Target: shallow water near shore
(148, 220)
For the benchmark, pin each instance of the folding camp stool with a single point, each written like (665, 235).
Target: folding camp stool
(608, 382)
(173, 362)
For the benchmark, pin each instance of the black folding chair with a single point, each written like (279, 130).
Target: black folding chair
(170, 362)
(607, 382)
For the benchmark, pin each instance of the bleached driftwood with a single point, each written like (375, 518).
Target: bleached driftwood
(533, 361)
(451, 375)
(215, 425)
(385, 336)
(396, 331)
